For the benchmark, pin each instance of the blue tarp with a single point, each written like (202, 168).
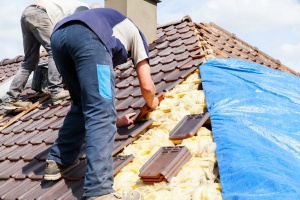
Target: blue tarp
(255, 117)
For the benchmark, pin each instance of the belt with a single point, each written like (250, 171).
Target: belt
(39, 7)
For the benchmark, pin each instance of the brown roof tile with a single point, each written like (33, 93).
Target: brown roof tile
(121, 161)
(188, 126)
(132, 130)
(164, 164)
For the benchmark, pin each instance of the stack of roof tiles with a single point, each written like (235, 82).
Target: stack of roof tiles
(164, 164)
(179, 50)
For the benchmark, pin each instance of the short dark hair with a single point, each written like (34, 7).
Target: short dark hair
(81, 8)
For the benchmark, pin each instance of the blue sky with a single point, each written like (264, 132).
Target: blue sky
(273, 26)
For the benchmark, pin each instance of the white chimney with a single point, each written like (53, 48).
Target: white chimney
(143, 13)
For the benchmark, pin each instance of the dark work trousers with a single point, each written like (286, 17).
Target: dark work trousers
(36, 30)
(87, 70)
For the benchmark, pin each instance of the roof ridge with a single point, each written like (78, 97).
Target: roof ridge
(7, 61)
(186, 18)
(18, 58)
(251, 48)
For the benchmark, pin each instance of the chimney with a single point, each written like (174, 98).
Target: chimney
(143, 13)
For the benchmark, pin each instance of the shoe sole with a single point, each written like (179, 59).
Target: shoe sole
(10, 107)
(14, 108)
(54, 177)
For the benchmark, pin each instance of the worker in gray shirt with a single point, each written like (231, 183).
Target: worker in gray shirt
(37, 22)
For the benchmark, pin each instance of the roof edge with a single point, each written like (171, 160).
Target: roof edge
(275, 61)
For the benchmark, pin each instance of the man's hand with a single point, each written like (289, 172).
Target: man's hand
(154, 103)
(124, 120)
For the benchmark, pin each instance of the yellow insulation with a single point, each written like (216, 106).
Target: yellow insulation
(197, 180)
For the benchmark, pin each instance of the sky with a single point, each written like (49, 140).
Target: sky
(273, 26)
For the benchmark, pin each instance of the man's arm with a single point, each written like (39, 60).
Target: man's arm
(146, 84)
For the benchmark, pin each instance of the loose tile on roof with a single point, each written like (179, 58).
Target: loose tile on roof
(121, 161)
(188, 126)
(132, 130)
(164, 164)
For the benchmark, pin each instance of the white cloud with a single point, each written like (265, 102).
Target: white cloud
(11, 34)
(249, 15)
(296, 31)
(269, 25)
(289, 52)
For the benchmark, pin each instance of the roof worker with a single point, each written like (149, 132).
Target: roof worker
(37, 23)
(86, 47)
(95, 5)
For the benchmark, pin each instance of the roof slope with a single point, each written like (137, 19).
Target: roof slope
(180, 48)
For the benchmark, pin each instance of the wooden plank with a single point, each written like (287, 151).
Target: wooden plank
(11, 121)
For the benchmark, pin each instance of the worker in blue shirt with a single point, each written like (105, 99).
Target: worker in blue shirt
(86, 47)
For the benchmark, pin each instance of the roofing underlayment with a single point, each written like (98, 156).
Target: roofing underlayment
(255, 122)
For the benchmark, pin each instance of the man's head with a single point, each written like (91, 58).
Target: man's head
(95, 5)
(81, 8)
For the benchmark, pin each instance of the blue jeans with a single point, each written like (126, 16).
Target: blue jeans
(36, 30)
(87, 70)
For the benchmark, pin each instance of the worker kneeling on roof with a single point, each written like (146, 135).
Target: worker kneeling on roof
(37, 22)
(86, 47)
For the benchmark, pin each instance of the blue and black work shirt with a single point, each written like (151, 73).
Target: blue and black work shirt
(120, 36)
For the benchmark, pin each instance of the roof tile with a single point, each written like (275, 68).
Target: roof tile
(188, 126)
(163, 45)
(133, 130)
(164, 164)
(57, 124)
(121, 161)
(13, 139)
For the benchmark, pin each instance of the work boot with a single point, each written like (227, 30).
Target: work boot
(11, 103)
(59, 97)
(54, 171)
(117, 196)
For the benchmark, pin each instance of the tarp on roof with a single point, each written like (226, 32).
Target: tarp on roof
(255, 116)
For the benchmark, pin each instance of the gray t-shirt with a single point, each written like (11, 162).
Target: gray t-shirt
(59, 9)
